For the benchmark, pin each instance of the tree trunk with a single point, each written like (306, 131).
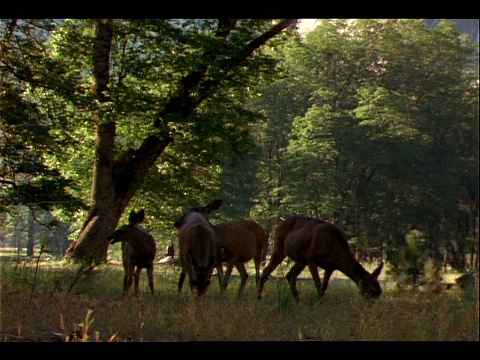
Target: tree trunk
(115, 181)
(114, 184)
(31, 235)
(18, 240)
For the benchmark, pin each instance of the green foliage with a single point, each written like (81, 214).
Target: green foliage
(151, 63)
(408, 264)
(385, 143)
(29, 135)
(286, 98)
(370, 123)
(96, 310)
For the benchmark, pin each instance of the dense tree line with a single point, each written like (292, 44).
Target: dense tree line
(121, 92)
(371, 124)
(388, 141)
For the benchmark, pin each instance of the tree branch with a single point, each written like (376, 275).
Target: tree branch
(187, 101)
(261, 40)
(101, 58)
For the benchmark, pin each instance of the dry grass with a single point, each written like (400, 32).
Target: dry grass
(36, 306)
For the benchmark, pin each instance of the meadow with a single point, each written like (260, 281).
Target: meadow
(49, 301)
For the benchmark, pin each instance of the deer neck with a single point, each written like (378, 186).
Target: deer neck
(142, 244)
(357, 273)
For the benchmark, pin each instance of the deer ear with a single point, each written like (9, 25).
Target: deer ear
(214, 205)
(177, 224)
(132, 217)
(377, 271)
(141, 215)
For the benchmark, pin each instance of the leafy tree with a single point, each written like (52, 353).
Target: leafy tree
(152, 101)
(425, 83)
(386, 145)
(279, 102)
(28, 134)
(325, 143)
(409, 264)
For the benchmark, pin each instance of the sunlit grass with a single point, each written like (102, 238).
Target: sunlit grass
(44, 309)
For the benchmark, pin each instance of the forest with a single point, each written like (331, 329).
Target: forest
(371, 124)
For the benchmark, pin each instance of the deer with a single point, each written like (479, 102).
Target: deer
(197, 247)
(239, 242)
(317, 243)
(138, 251)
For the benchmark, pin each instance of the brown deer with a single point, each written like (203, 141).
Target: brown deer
(317, 243)
(138, 251)
(238, 243)
(197, 246)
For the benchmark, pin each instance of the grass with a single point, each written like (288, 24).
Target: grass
(36, 305)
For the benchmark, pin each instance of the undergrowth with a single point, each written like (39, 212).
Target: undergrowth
(93, 309)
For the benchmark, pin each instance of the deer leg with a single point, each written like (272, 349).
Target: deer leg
(326, 278)
(257, 261)
(181, 280)
(186, 270)
(316, 278)
(150, 279)
(292, 278)
(275, 260)
(243, 276)
(128, 279)
(183, 273)
(190, 276)
(219, 267)
(228, 273)
(136, 279)
(125, 282)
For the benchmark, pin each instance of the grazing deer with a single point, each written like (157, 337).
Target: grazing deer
(197, 246)
(138, 251)
(238, 243)
(317, 243)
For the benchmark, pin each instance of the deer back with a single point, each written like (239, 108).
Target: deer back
(136, 243)
(236, 241)
(306, 240)
(198, 240)
(198, 246)
(259, 233)
(289, 225)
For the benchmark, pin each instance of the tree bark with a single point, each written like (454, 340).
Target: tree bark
(114, 181)
(31, 235)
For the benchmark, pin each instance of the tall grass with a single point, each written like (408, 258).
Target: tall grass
(95, 309)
